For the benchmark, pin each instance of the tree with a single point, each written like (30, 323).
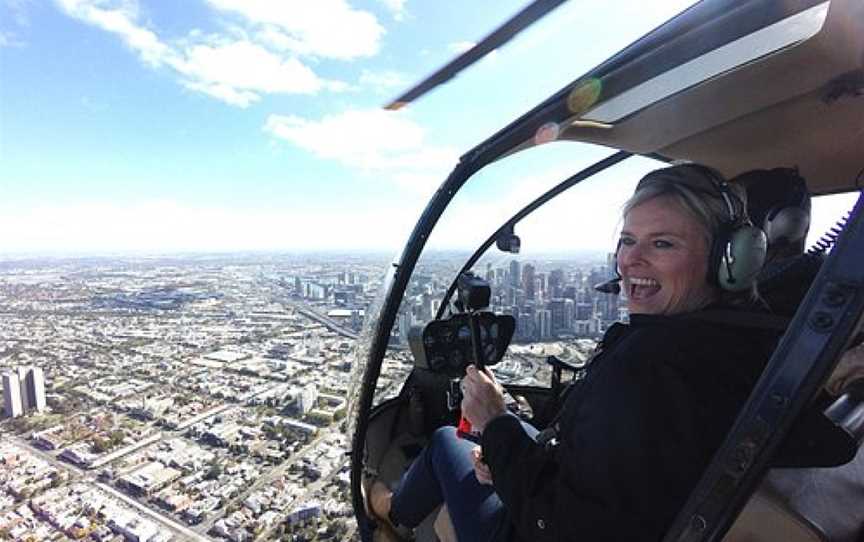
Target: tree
(214, 472)
(101, 445)
(117, 438)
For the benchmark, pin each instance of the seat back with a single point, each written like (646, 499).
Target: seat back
(812, 504)
(766, 518)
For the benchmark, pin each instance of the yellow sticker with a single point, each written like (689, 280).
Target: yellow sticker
(584, 96)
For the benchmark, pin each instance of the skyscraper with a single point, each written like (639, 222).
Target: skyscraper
(515, 275)
(544, 324)
(528, 281)
(12, 395)
(26, 398)
(36, 389)
(556, 282)
(306, 398)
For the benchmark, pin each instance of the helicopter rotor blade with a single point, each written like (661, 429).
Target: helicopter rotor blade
(504, 33)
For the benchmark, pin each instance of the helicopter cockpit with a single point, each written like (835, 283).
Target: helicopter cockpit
(740, 86)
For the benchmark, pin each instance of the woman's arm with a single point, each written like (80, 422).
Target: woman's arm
(627, 459)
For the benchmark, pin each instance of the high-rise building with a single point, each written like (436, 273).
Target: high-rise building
(562, 311)
(306, 398)
(544, 324)
(26, 398)
(528, 281)
(584, 310)
(405, 321)
(525, 327)
(515, 274)
(499, 276)
(12, 395)
(611, 264)
(36, 389)
(542, 288)
(556, 282)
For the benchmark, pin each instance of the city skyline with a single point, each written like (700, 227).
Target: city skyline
(207, 399)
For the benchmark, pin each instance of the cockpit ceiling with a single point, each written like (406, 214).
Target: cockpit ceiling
(784, 109)
(825, 141)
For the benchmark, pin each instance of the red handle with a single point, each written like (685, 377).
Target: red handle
(464, 430)
(464, 427)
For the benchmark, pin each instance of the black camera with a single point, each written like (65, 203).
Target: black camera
(473, 292)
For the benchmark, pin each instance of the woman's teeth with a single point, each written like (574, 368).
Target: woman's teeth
(643, 287)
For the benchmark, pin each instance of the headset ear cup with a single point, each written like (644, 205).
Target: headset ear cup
(741, 259)
(789, 224)
(715, 258)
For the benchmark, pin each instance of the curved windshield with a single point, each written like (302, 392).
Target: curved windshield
(363, 344)
(548, 286)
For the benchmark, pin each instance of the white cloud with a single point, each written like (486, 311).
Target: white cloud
(120, 20)
(241, 67)
(225, 93)
(325, 28)
(370, 140)
(276, 39)
(365, 139)
(235, 70)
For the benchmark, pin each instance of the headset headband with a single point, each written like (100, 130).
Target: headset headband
(719, 188)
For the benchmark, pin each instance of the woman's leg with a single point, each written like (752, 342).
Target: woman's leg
(444, 472)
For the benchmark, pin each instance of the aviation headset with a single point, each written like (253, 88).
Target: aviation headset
(738, 248)
(789, 220)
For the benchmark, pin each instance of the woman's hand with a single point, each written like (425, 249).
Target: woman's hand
(482, 398)
(481, 469)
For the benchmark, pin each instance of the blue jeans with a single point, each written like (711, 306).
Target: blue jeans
(444, 473)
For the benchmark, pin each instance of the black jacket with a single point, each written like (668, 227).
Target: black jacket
(634, 435)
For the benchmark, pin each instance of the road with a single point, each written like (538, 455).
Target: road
(310, 491)
(90, 478)
(318, 317)
(269, 476)
(49, 457)
(178, 527)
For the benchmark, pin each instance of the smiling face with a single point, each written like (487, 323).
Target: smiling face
(663, 259)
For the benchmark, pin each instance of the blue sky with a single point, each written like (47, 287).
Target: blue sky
(162, 126)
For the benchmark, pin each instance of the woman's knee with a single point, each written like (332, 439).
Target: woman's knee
(443, 435)
(446, 446)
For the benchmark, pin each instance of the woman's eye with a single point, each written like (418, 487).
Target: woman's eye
(659, 243)
(627, 241)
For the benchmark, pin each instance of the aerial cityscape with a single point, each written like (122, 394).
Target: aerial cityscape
(204, 397)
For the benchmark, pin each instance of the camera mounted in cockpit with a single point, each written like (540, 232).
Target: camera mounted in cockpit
(473, 293)
(449, 345)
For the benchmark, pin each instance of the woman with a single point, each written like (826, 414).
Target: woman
(634, 435)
